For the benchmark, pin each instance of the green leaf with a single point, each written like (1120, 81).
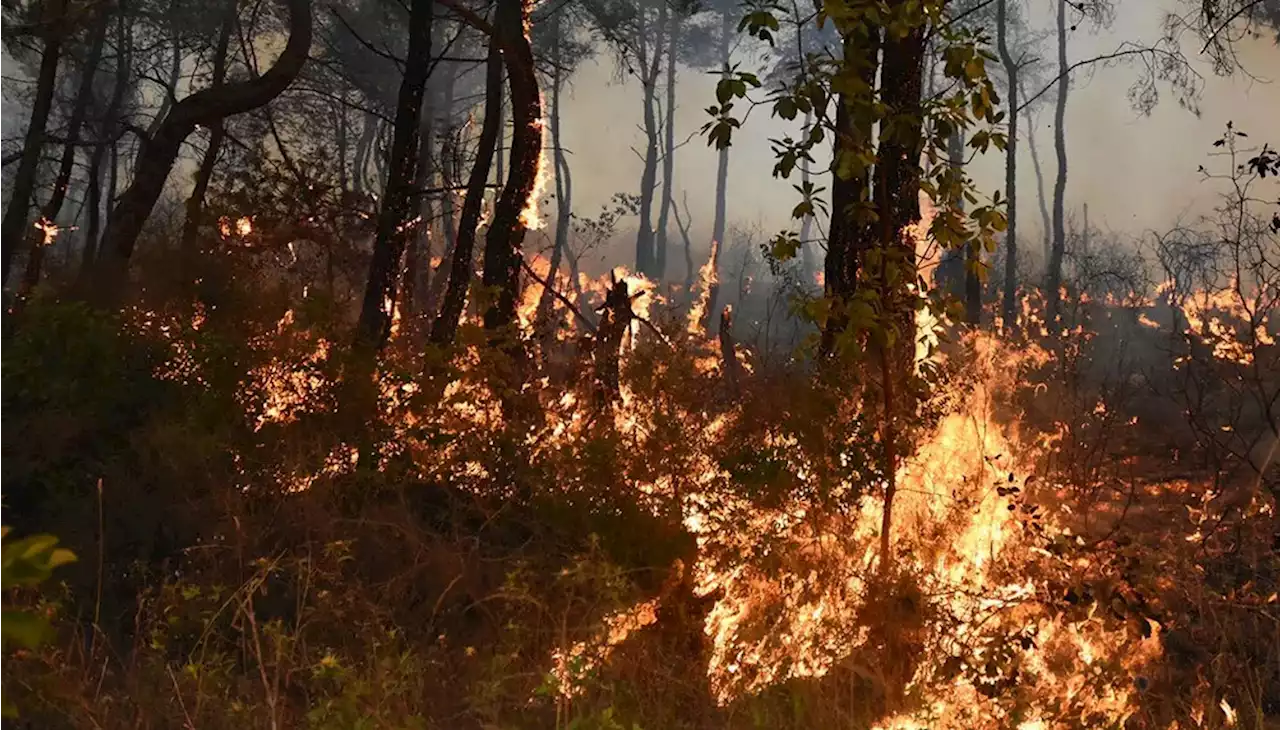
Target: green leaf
(24, 628)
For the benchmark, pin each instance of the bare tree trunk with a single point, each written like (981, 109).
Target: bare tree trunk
(13, 229)
(1043, 200)
(502, 251)
(1009, 304)
(113, 187)
(450, 169)
(94, 224)
(195, 202)
(1054, 275)
(204, 108)
(395, 225)
(341, 119)
(445, 327)
(722, 180)
(418, 268)
(669, 151)
(689, 270)
(49, 213)
(363, 147)
(382, 154)
(649, 68)
(564, 189)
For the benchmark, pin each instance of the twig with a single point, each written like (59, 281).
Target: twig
(572, 307)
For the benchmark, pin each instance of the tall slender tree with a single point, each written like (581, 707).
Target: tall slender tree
(62, 181)
(503, 254)
(13, 229)
(395, 220)
(445, 327)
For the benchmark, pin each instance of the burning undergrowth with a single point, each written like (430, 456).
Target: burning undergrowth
(1008, 602)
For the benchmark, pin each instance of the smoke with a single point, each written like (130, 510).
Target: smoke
(1137, 172)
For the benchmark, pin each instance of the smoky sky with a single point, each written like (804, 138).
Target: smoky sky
(1137, 172)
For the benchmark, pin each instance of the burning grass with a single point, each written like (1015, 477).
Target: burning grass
(672, 552)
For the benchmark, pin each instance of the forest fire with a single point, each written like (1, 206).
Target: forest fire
(307, 426)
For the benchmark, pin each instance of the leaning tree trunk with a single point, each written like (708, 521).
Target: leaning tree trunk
(49, 213)
(722, 183)
(1009, 303)
(195, 202)
(649, 67)
(13, 229)
(445, 327)
(394, 227)
(1053, 279)
(564, 191)
(205, 108)
(502, 251)
(668, 153)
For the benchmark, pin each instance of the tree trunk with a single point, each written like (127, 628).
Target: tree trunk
(204, 108)
(360, 169)
(418, 269)
(49, 213)
(1053, 279)
(564, 189)
(898, 202)
(847, 235)
(502, 251)
(669, 151)
(500, 173)
(395, 225)
(445, 328)
(13, 229)
(689, 270)
(1009, 305)
(94, 224)
(341, 124)
(649, 68)
(722, 181)
(106, 129)
(195, 203)
(450, 161)
(382, 155)
(171, 85)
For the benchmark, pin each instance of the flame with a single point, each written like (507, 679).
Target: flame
(48, 229)
(530, 215)
(707, 278)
